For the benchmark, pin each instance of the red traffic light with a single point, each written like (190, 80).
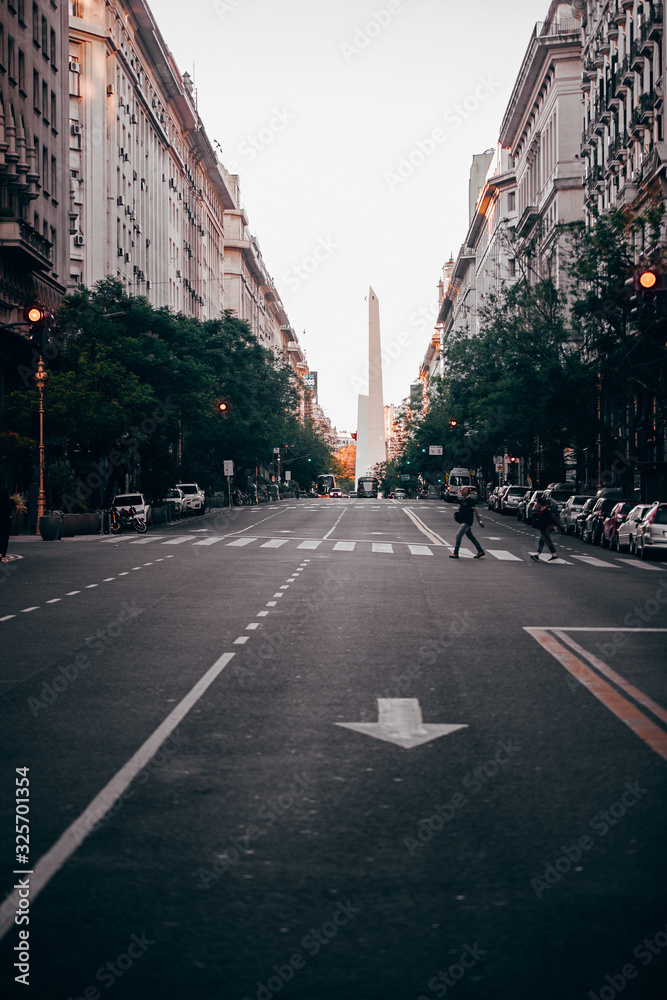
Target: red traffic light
(453, 423)
(223, 406)
(34, 314)
(648, 279)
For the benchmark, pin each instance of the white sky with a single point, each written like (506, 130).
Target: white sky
(334, 99)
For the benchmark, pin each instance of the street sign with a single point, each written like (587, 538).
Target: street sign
(400, 722)
(228, 468)
(288, 475)
(276, 451)
(435, 449)
(405, 477)
(499, 468)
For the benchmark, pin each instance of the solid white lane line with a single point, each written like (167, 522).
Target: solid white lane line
(324, 538)
(54, 859)
(425, 530)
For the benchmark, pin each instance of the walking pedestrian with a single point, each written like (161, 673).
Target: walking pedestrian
(468, 512)
(7, 508)
(546, 520)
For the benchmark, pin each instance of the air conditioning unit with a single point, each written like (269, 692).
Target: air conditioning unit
(121, 103)
(76, 129)
(74, 65)
(78, 240)
(133, 119)
(120, 200)
(136, 269)
(141, 276)
(121, 152)
(120, 251)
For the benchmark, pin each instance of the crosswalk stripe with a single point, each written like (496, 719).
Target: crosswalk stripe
(211, 540)
(274, 543)
(382, 547)
(503, 554)
(639, 564)
(117, 538)
(344, 546)
(179, 540)
(420, 550)
(242, 541)
(592, 561)
(310, 544)
(151, 538)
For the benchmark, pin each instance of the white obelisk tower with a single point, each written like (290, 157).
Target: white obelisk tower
(370, 429)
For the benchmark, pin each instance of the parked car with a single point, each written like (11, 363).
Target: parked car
(522, 505)
(194, 498)
(581, 518)
(530, 506)
(557, 497)
(611, 524)
(178, 499)
(652, 532)
(123, 501)
(511, 497)
(627, 530)
(573, 507)
(592, 529)
(399, 494)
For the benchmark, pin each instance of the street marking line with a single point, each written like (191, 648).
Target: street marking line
(54, 600)
(211, 540)
(125, 573)
(623, 709)
(382, 547)
(344, 546)
(241, 639)
(69, 841)
(7, 617)
(639, 564)
(503, 554)
(274, 543)
(108, 579)
(345, 509)
(262, 614)
(117, 538)
(71, 593)
(592, 561)
(179, 540)
(252, 625)
(272, 604)
(145, 541)
(420, 550)
(605, 669)
(24, 611)
(310, 544)
(425, 530)
(89, 586)
(238, 542)
(278, 595)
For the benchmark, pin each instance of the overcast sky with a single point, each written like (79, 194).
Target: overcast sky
(352, 125)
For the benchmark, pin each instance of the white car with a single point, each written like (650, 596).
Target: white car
(126, 500)
(652, 532)
(627, 530)
(178, 499)
(399, 494)
(193, 498)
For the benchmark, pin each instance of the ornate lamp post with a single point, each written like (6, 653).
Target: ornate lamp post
(40, 377)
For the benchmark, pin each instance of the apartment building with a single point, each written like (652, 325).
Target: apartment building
(33, 168)
(623, 84)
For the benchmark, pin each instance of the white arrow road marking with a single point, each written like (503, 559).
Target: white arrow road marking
(400, 722)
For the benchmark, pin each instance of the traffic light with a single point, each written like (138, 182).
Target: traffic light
(647, 287)
(513, 459)
(38, 319)
(222, 406)
(453, 424)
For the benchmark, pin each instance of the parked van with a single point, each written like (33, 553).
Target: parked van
(457, 479)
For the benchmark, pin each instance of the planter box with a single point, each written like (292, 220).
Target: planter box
(159, 515)
(50, 527)
(70, 525)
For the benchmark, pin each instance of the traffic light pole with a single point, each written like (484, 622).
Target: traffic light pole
(41, 377)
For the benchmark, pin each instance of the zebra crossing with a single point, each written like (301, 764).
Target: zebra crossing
(365, 547)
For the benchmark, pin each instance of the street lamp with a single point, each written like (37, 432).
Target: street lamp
(41, 376)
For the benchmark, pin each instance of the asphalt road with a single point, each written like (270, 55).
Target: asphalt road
(296, 750)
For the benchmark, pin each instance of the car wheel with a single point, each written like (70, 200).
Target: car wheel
(603, 541)
(631, 546)
(615, 546)
(643, 552)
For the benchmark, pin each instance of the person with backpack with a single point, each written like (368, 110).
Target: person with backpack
(546, 520)
(465, 515)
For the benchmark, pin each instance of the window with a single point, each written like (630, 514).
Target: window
(21, 12)
(511, 201)
(54, 177)
(54, 247)
(35, 25)
(511, 264)
(11, 60)
(45, 38)
(45, 171)
(35, 91)
(54, 61)
(22, 90)
(36, 221)
(45, 102)
(54, 123)
(2, 47)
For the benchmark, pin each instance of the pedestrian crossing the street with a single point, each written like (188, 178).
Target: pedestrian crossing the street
(368, 547)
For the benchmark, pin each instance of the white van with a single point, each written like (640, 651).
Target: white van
(457, 479)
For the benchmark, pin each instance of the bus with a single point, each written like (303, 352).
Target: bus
(325, 484)
(367, 486)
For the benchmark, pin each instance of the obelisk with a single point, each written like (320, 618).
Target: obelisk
(370, 419)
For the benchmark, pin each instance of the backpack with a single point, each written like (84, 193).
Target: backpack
(458, 517)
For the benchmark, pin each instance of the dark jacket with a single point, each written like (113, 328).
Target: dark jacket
(467, 510)
(544, 518)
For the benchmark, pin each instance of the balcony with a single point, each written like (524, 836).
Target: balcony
(25, 244)
(647, 104)
(654, 24)
(637, 56)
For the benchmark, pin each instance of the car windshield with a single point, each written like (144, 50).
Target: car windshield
(516, 491)
(128, 500)
(625, 509)
(579, 501)
(173, 493)
(188, 488)
(660, 516)
(560, 496)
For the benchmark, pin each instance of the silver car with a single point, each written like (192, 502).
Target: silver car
(573, 506)
(652, 532)
(627, 530)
